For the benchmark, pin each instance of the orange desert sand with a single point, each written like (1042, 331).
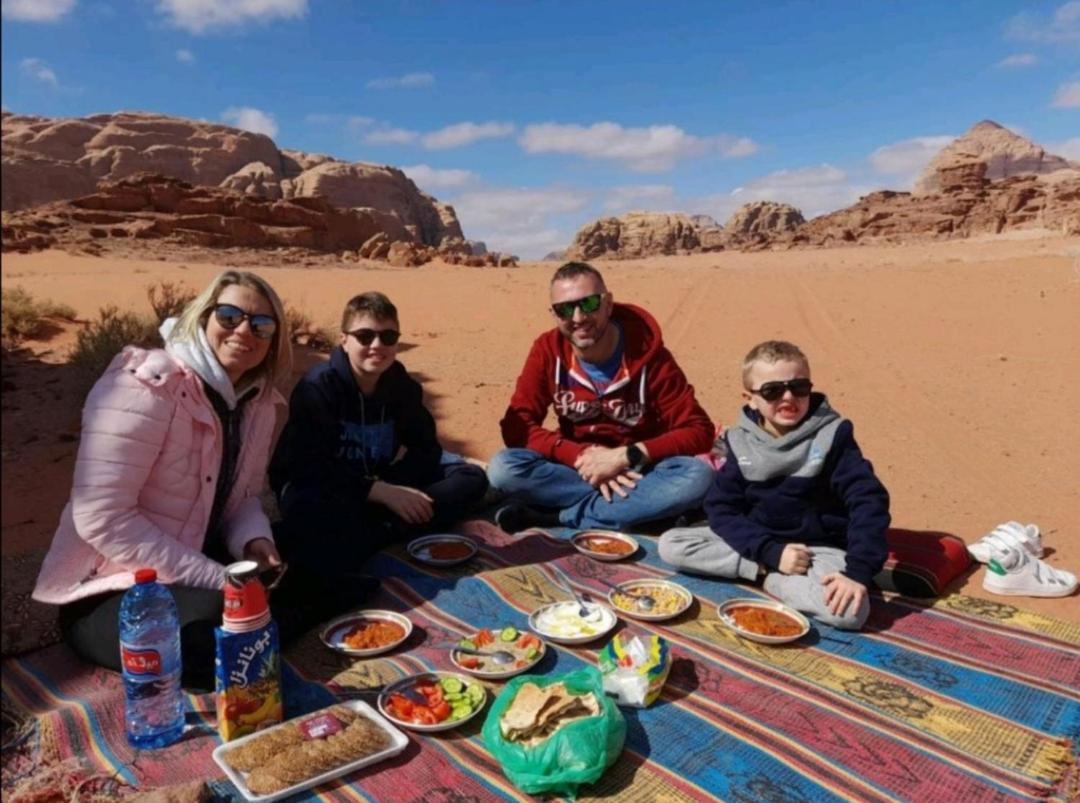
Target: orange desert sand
(959, 363)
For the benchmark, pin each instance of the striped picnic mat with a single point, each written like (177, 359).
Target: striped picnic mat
(958, 699)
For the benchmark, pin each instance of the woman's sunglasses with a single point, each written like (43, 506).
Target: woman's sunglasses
(588, 305)
(388, 337)
(774, 391)
(229, 317)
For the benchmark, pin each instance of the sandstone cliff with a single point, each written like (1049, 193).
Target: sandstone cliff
(47, 160)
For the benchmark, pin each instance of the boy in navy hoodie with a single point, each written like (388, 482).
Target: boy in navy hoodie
(359, 464)
(796, 502)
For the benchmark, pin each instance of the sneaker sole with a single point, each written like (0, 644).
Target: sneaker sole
(1012, 592)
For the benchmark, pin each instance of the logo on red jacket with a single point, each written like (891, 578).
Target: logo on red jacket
(568, 405)
(140, 662)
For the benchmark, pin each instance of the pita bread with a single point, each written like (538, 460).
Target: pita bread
(535, 714)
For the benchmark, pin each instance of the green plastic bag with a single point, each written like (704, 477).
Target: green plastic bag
(577, 753)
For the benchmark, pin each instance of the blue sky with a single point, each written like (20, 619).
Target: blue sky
(533, 118)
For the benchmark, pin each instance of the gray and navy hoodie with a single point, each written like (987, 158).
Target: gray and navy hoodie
(811, 486)
(340, 441)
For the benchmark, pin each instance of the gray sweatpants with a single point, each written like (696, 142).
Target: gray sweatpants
(698, 550)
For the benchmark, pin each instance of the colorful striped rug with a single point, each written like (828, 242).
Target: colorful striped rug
(958, 699)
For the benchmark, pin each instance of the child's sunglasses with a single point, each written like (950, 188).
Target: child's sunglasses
(230, 317)
(774, 391)
(388, 337)
(588, 305)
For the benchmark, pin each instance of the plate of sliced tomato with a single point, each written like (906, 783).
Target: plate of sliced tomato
(433, 701)
(526, 648)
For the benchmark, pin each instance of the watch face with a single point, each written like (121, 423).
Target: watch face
(633, 454)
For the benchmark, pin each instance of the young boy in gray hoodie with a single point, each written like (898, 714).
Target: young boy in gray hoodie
(795, 502)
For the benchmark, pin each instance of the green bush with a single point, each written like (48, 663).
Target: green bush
(106, 337)
(168, 300)
(22, 316)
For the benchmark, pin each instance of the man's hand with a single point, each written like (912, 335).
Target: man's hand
(795, 559)
(598, 464)
(841, 591)
(622, 484)
(409, 504)
(263, 552)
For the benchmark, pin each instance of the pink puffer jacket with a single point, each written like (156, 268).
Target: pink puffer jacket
(145, 478)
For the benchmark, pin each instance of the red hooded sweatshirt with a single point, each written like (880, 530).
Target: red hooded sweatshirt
(649, 401)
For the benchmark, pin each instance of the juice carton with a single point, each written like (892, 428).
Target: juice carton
(248, 687)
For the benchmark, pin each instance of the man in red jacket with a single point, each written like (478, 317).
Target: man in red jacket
(628, 422)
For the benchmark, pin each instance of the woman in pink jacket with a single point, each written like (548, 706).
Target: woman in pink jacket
(172, 459)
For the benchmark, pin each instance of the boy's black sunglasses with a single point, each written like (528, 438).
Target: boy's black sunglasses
(388, 337)
(229, 317)
(773, 391)
(588, 305)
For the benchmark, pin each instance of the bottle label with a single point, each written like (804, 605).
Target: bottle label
(140, 661)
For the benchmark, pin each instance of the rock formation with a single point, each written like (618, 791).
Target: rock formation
(49, 160)
(635, 234)
(149, 207)
(1004, 154)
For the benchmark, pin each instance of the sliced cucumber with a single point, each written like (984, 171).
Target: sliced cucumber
(466, 644)
(532, 653)
(452, 696)
(475, 694)
(508, 634)
(451, 685)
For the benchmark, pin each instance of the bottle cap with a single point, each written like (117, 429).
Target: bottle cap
(145, 576)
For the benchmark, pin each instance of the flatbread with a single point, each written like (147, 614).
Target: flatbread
(535, 714)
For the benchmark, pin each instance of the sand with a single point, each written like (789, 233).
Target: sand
(958, 362)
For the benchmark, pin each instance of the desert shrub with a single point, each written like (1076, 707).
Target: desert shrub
(22, 315)
(104, 338)
(303, 330)
(168, 299)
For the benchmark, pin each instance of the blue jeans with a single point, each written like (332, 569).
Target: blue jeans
(670, 487)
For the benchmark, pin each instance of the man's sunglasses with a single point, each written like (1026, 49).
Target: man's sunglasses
(388, 337)
(588, 305)
(774, 391)
(229, 317)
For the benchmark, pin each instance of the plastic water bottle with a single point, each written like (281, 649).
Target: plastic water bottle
(150, 657)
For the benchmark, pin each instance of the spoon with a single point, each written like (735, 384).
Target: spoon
(642, 600)
(498, 657)
(583, 609)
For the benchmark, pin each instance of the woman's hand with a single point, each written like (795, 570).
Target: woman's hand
(409, 504)
(263, 552)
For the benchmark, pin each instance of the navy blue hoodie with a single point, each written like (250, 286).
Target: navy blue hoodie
(340, 441)
(811, 486)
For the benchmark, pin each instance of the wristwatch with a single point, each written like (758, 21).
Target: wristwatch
(635, 457)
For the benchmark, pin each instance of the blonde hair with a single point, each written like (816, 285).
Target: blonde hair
(278, 362)
(772, 351)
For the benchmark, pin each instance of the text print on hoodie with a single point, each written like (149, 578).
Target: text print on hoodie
(648, 401)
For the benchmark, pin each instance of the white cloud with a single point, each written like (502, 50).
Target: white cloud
(390, 136)
(907, 157)
(185, 56)
(811, 190)
(1062, 28)
(1017, 60)
(461, 134)
(39, 71)
(431, 178)
(1067, 96)
(1069, 148)
(639, 196)
(251, 119)
(651, 149)
(200, 16)
(413, 80)
(523, 221)
(36, 10)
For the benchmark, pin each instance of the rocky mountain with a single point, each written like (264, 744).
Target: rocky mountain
(148, 207)
(1004, 153)
(47, 160)
(988, 181)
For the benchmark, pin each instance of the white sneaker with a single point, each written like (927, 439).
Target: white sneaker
(1015, 572)
(1007, 535)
